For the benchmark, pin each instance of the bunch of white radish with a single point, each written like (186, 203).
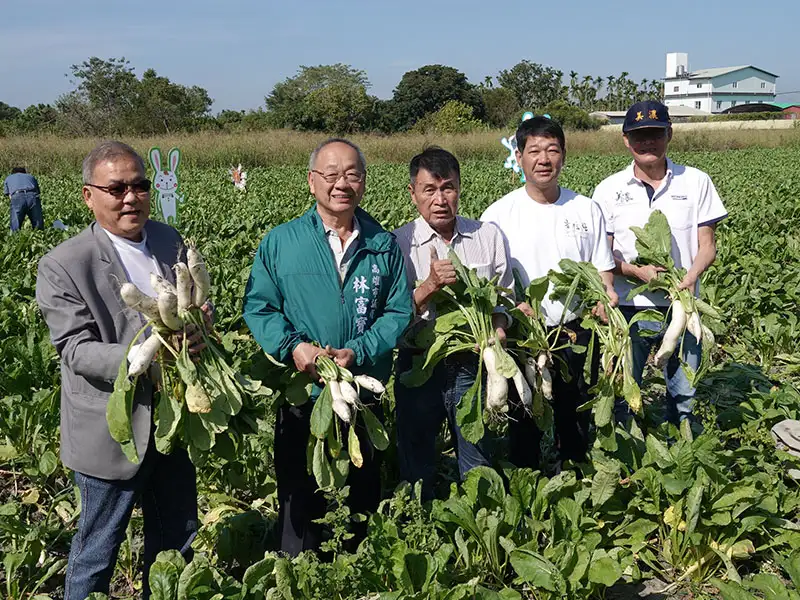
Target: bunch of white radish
(686, 312)
(581, 282)
(330, 460)
(464, 324)
(197, 393)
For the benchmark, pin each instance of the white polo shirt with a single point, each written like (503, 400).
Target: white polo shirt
(688, 199)
(540, 235)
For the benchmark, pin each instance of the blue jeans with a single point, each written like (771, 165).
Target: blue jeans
(421, 412)
(167, 489)
(680, 394)
(26, 203)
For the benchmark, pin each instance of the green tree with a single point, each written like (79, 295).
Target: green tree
(8, 113)
(502, 106)
(426, 90)
(453, 117)
(109, 99)
(324, 97)
(533, 84)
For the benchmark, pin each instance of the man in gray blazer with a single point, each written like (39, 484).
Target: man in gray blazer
(77, 290)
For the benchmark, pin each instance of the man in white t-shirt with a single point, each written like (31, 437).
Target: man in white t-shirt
(543, 224)
(693, 208)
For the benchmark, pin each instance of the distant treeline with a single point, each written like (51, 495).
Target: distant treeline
(109, 99)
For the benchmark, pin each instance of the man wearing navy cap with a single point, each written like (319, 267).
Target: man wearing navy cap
(693, 208)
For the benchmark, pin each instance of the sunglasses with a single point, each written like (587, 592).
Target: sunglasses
(118, 190)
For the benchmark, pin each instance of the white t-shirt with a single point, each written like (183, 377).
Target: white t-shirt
(688, 199)
(540, 235)
(137, 260)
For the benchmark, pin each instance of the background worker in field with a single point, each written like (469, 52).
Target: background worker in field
(23, 190)
(336, 277)
(544, 223)
(77, 289)
(435, 189)
(693, 208)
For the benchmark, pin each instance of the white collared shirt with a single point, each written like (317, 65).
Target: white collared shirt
(540, 235)
(343, 253)
(688, 199)
(478, 245)
(137, 261)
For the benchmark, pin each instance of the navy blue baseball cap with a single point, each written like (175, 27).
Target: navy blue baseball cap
(649, 113)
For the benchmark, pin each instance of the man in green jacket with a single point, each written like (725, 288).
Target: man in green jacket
(332, 276)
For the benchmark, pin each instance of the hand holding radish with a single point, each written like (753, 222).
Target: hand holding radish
(526, 309)
(648, 272)
(343, 357)
(688, 282)
(305, 357)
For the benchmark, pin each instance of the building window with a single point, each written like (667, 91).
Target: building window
(699, 85)
(676, 88)
(763, 85)
(733, 103)
(747, 101)
(697, 104)
(735, 84)
(719, 105)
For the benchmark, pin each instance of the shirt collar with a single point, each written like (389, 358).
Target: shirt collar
(118, 239)
(631, 175)
(424, 233)
(330, 231)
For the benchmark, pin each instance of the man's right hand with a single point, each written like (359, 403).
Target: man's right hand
(305, 357)
(442, 272)
(648, 272)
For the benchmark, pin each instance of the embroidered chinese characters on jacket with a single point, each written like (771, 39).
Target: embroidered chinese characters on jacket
(368, 291)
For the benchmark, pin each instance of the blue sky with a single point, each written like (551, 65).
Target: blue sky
(239, 50)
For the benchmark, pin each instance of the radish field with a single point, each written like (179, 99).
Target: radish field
(715, 513)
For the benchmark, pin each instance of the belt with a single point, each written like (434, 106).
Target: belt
(15, 192)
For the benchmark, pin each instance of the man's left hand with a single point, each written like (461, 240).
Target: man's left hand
(208, 315)
(689, 282)
(343, 357)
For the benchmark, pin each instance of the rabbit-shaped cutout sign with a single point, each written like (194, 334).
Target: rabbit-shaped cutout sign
(510, 143)
(165, 185)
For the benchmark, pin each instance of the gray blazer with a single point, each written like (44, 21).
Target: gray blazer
(77, 288)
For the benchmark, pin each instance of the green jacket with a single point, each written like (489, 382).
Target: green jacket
(295, 294)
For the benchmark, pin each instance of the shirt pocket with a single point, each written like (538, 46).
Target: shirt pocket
(486, 270)
(680, 212)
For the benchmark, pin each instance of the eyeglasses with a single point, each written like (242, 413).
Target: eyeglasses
(118, 190)
(351, 177)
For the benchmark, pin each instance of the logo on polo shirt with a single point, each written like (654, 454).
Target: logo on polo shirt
(623, 198)
(679, 197)
(575, 227)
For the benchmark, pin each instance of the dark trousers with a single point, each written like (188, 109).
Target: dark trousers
(421, 412)
(571, 427)
(167, 489)
(299, 500)
(26, 204)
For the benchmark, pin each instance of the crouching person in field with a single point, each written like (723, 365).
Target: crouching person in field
(78, 292)
(545, 223)
(332, 276)
(425, 242)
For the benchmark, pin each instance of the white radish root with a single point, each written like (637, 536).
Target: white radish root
(168, 309)
(349, 393)
(144, 356)
(496, 384)
(183, 286)
(197, 400)
(694, 326)
(199, 273)
(530, 372)
(161, 285)
(672, 336)
(339, 404)
(547, 377)
(136, 299)
(370, 383)
(523, 389)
